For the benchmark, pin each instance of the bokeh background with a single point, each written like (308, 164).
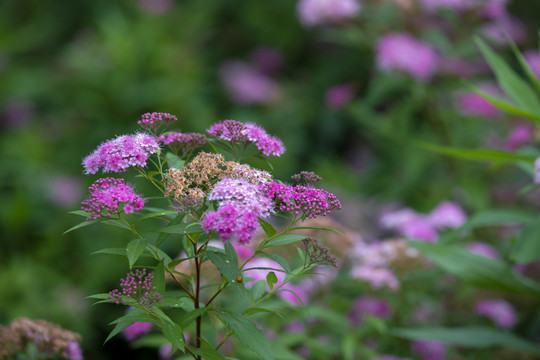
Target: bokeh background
(75, 73)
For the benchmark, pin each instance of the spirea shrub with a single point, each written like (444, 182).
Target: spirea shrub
(214, 207)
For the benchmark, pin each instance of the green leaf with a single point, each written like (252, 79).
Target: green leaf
(175, 302)
(268, 228)
(475, 269)
(227, 266)
(102, 296)
(173, 229)
(174, 333)
(159, 278)
(504, 105)
(517, 89)
(528, 71)
(489, 155)
(271, 279)
(133, 316)
(247, 333)
(111, 251)
(207, 352)
(279, 259)
(315, 228)
(284, 240)
(258, 290)
(231, 253)
(80, 213)
(527, 248)
(80, 225)
(496, 218)
(186, 319)
(263, 310)
(473, 336)
(134, 250)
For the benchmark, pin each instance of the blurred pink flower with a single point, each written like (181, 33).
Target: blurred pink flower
(318, 12)
(393, 218)
(447, 215)
(295, 327)
(471, 103)
(339, 95)
(532, 57)
(157, 7)
(498, 30)
(430, 350)
(537, 171)
(519, 136)
(459, 67)
(500, 311)
(371, 306)
(420, 229)
(64, 191)
(267, 60)
(377, 277)
(165, 352)
(495, 9)
(482, 249)
(246, 85)
(136, 330)
(400, 51)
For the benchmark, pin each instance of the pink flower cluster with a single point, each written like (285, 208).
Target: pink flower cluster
(500, 311)
(236, 131)
(318, 12)
(400, 51)
(186, 142)
(371, 306)
(339, 95)
(457, 5)
(240, 203)
(472, 103)
(424, 227)
(119, 154)
(519, 136)
(309, 201)
(372, 265)
(482, 249)
(138, 286)
(245, 84)
(106, 194)
(156, 120)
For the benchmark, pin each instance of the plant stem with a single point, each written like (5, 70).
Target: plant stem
(197, 298)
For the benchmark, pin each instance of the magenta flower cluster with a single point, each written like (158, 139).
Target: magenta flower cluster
(136, 330)
(400, 51)
(306, 200)
(138, 286)
(119, 154)
(106, 194)
(236, 131)
(156, 120)
(183, 141)
(240, 203)
(369, 305)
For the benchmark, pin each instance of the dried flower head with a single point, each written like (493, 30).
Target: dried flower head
(117, 155)
(48, 337)
(318, 254)
(11, 341)
(138, 286)
(309, 177)
(106, 194)
(156, 122)
(183, 142)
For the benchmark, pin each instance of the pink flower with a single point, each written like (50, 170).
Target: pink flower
(377, 277)
(532, 57)
(119, 154)
(482, 249)
(400, 51)
(447, 215)
(430, 350)
(339, 95)
(74, 351)
(267, 60)
(500, 311)
(107, 194)
(419, 229)
(318, 12)
(498, 30)
(64, 190)
(495, 9)
(165, 352)
(471, 103)
(371, 306)
(537, 171)
(392, 219)
(136, 330)
(246, 85)
(519, 136)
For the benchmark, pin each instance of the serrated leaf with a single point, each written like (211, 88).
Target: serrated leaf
(186, 319)
(159, 278)
(247, 333)
(474, 336)
(134, 250)
(271, 279)
(268, 228)
(284, 240)
(175, 334)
